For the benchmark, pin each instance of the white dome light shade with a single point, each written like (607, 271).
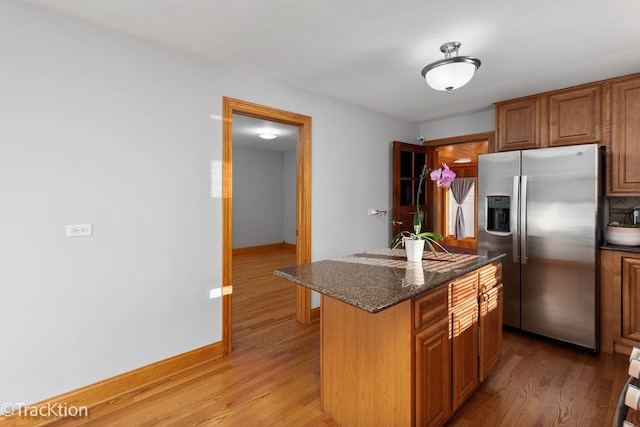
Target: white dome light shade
(451, 72)
(451, 75)
(267, 133)
(268, 136)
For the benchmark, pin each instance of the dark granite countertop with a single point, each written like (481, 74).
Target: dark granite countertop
(376, 280)
(610, 247)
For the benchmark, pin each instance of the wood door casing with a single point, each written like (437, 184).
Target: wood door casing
(232, 106)
(446, 151)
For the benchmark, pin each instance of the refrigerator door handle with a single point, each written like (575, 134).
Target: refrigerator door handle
(514, 219)
(523, 220)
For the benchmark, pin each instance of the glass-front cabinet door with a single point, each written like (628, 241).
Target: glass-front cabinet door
(408, 162)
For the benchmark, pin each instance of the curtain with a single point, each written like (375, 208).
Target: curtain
(460, 189)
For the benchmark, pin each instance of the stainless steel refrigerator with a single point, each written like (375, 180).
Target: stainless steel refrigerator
(542, 208)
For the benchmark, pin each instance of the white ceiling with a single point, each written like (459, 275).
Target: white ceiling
(371, 52)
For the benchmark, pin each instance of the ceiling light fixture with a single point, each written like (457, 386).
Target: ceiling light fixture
(452, 72)
(462, 160)
(268, 135)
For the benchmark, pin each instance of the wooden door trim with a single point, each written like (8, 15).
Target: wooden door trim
(232, 106)
(435, 198)
(463, 139)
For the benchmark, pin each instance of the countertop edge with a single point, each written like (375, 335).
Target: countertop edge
(413, 292)
(620, 248)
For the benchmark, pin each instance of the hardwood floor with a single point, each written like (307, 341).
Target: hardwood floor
(272, 376)
(542, 383)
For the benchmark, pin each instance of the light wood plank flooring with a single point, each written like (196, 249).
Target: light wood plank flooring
(272, 376)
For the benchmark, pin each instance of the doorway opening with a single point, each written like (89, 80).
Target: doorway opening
(461, 155)
(303, 202)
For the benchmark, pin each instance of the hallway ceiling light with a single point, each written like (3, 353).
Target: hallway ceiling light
(452, 72)
(268, 135)
(463, 160)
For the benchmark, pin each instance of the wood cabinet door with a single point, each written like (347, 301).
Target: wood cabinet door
(433, 375)
(490, 276)
(490, 330)
(625, 136)
(631, 298)
(518, 124)
(464, 349)
(431, 308)
(575, 116)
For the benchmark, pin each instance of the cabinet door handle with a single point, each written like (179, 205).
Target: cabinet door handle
(394, 222)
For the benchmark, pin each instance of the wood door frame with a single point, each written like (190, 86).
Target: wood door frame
(232, 106)
(435, 198)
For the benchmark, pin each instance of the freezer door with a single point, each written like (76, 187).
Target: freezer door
(497, 175)
(559, 243)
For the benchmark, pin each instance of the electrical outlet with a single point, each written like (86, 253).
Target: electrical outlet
(79, 230)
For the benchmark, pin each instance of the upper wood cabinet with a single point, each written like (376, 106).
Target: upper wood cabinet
(564, 117)
(575, 115)
(624, 154)
(607, 112)
(518, 123)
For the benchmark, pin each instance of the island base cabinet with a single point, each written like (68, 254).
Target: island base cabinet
(464, 332)
(433, 375)
(366, 364)
(416, 362)
(490, 330)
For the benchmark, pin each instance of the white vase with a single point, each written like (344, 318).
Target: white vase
(414, 249)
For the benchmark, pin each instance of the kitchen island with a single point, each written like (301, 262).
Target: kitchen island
(404, 343)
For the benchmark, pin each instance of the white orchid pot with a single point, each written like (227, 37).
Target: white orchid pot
(414, 249)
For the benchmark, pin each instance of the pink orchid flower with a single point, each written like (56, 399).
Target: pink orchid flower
(443, 176)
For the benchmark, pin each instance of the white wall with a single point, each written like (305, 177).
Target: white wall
(264, 197)
(477, 122)
(258, 197)
(106, 129)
